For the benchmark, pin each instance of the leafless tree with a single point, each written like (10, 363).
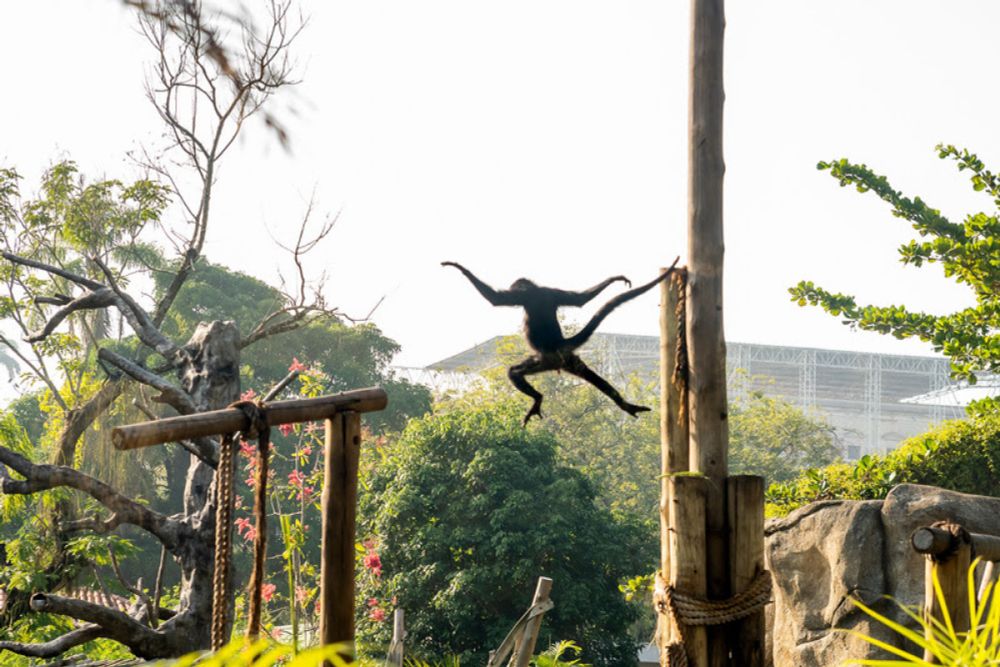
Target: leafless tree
(204, 97)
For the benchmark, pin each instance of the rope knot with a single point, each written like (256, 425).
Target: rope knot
(256, 415)
(688, 610)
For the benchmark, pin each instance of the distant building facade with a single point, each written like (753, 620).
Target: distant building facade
(860, 394)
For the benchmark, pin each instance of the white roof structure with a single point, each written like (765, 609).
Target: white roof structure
(959, 394)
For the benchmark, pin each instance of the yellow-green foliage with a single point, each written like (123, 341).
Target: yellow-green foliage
(262, 653)
(962, 455)
(978, 647)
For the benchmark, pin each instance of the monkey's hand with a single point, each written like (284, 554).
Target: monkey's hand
(455, 264)
(628, 283)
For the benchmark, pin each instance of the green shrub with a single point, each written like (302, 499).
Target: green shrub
(961, 455)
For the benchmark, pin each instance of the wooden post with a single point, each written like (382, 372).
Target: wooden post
(526, 646)
(705, 337)
(673, 420)
(687, 548)
(395, 658)
(339, 506)
(745, 497)
(948, 549)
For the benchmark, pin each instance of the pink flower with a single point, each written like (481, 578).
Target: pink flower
(306, 493)
(368, 544)
(373, 563)
(248, 395)
(372, 602)
(246, 529)
(311, 427)
(297, 366)
(377, 614)
(247, 449)
(296, 478)
(301, 594)
(267, 592)
(306, 450)
(286, 429)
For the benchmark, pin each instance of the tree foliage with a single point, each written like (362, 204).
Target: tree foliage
(968, 251)
(961, 455)
(467, 509)
(771, 437)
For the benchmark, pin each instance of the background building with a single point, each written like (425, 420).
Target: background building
(872, 400)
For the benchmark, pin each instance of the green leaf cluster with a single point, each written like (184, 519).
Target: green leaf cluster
(961, 455)
(968, 251)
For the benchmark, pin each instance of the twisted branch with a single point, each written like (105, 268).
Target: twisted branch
(42, 477)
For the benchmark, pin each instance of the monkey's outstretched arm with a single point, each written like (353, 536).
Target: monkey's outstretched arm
(495, 297)
(568, 298)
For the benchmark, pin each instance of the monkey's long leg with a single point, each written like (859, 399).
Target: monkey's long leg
(587, 331)
(576, 366)
(530, 366)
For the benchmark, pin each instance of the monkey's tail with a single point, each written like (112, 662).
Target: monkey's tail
(584, 334)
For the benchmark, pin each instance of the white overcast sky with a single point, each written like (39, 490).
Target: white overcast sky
(547, 139)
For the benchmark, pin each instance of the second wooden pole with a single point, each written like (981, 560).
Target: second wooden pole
(339, 507)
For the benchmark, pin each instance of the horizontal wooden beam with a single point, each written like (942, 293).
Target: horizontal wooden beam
(231, 420)
(934, 541)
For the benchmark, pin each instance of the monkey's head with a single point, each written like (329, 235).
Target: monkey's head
(522, 285)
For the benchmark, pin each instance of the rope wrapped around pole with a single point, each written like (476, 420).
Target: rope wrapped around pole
(686, 610)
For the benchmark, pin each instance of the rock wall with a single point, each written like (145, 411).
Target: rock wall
(825, 553)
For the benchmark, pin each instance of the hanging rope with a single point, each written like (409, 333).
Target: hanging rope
(680, 378)
(686, 610)
(258, 427)
(223, 542)
(224, 496)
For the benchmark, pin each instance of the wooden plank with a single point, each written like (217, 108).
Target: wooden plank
(745, 497)
(673, 422)
(339, 507)
(709, 434)
(395, 657)
(526, 646)
(231, 420)
(687, 554)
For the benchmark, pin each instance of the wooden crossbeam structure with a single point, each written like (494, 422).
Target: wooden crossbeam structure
(341, 414)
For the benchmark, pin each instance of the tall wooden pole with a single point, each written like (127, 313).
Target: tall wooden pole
(339, 501)
(709, 433)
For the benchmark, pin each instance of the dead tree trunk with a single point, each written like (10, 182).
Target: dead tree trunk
(211, 377)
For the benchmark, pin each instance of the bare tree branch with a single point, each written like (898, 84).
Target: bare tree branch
(42, 477)
(148, 332)
(57, 646)
(144, 641)
(170, 393)
(101, 298)
(78, 420)
(54, 270)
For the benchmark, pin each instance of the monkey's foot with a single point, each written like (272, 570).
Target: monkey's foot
(536, 411)
(633, 409)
